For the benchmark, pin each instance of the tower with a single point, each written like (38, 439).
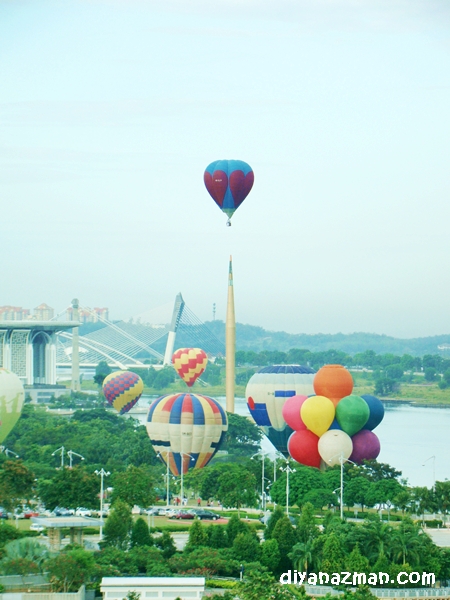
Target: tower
(230, 343)
(75, 349)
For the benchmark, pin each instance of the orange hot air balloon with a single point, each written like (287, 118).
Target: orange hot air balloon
(189, 363)
(333, 382)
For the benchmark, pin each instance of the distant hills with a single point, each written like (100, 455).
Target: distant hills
(250, 337)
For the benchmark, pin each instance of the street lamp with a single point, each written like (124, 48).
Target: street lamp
(71, 454)
(341, 488)
(263, 492)
(62, 450)
(433, 458)
(7, 451)
(102, 474)
(159, 455)
(287, 469)
(182, 469)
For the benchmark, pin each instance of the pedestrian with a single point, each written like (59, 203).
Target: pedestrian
(199, 501)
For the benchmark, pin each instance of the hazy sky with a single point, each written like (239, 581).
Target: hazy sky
(111, 110)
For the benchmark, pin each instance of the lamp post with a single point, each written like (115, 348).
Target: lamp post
(341, 488)
(263, 492)
(102, 474)
(7, 451)
(167, 473)
(62, 450)
(433, 458)
(181, 473)
(71, 454)
(287, 469)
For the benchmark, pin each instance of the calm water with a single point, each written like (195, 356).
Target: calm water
(409, 435)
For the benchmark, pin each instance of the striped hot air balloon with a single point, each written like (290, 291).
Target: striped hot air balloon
(189, 363)
(122, 389)
(186, 429)
(266, 393)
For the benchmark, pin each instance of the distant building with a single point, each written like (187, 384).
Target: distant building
(14, 313)
(43, 312)
(92, 315)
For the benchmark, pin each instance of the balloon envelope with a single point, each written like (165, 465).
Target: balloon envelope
(12, 396)
(317, 414)
(352, 413)
(376, 409)
(303, 447)
(266, 393)
(291, 412)
(366, 446)
(189, 363)
(122, 389)
(186, 429)
(333, 444)
(228, 183)
(333, 382)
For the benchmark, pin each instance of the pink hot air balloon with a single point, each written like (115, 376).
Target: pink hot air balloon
(291, 412)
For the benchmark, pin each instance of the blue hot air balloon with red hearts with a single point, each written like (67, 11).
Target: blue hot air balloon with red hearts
(228, 182)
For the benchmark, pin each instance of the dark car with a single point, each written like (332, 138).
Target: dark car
(62, 512)
(3, 513)
(206, 514)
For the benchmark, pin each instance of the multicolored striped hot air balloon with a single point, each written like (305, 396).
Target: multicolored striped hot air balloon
(12, 396)
(228, 182)
(189, 363)
(122, 389)
(186, 429)
(266, 393)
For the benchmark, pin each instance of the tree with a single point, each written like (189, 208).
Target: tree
(140, 535)
(246, 547)
(237, 488)
(118, 526)
(243, 437)
(355, 562)
(407, 543)
(301, 555)
(263, 585)
(217, 536)
(273, 520)
(333, 555)
(102, 370)
(16, 483)
(197, 536)
(134, 486)
(284, 534)
(301, 482)
(270, 555)
(70, 569)
(306, 527)
(234, 527)
(356, 490)
(166, 544)
(71, 488)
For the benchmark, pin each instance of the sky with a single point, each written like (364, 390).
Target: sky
(111, 110)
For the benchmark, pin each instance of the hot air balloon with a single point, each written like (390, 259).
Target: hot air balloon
(122, 389)
(12, 396)
(228, 183)
(186, 429)
(333, 382)
(266, 393)
(189, 363)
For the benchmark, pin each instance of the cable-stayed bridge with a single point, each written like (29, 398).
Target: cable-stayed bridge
(137, 342)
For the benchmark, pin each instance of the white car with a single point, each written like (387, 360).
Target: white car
(36, 527)
(83, 512)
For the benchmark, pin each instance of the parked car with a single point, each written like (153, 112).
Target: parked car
(184, 514)
(137, 510)
(83, 512)
(3, 513)
(170, 513)
(206, 514)
(153, 510)
(59, 511)
(36, 527)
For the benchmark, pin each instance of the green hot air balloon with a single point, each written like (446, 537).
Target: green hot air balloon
(12, 396)
(352, 413)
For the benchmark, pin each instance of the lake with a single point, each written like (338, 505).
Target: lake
(409, 436)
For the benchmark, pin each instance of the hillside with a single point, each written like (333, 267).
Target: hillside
(249, 337)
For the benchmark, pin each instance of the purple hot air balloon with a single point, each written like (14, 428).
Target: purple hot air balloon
(366, 446)
(228, 182)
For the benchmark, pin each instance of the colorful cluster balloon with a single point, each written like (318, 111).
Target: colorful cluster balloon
(272, 389)
(228, 182)
(189, 363)
(334, 424)
(122, 389)
(186, 430)
(12, 396)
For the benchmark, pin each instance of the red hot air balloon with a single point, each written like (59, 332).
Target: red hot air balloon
(228, 183)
